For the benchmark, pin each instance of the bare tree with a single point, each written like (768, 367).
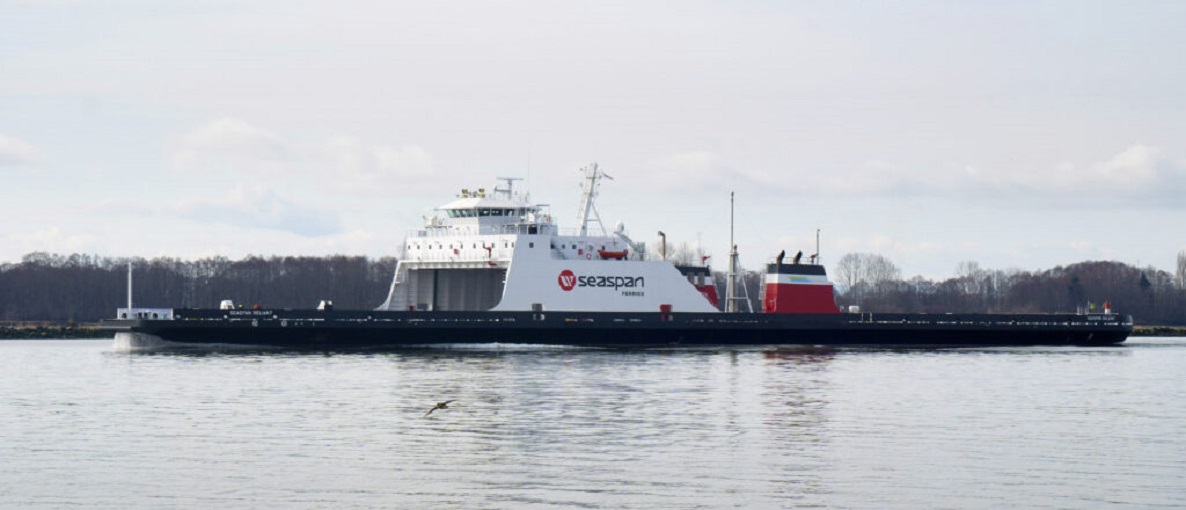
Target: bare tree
(861, 273)
(971, 277)
(681, 255)
(850, 270)
(1180, 275)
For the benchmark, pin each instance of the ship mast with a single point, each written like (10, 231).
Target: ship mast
(816, 259)
(731, 297)
(588, 212)
(730, 289)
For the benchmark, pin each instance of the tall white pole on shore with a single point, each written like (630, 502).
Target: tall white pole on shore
(129, 287)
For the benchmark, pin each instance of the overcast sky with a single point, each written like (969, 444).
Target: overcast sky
(1014, 134)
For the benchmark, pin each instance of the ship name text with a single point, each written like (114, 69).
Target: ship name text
(568, 280)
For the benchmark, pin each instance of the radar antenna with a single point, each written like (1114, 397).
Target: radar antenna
(507, 191)
(588, 213)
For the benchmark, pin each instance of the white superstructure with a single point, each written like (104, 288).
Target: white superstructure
(498, 251)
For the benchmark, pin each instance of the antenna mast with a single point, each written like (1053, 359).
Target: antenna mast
(731, 278)
(731, 297)
(588, 213)
(817, 256)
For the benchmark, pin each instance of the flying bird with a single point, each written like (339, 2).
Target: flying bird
(440, 405)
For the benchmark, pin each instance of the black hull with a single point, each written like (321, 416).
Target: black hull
(351, 330)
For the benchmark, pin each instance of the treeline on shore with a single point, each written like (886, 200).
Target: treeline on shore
(63, 289)
(85, 288)
(1150, 295)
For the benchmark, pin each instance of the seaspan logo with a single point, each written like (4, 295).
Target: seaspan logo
(568, 281)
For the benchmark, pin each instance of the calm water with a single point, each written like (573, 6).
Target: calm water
(84, 426)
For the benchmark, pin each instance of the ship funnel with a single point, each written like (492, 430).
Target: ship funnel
(798, 288)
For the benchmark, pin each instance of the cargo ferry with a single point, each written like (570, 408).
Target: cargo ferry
(493, 267)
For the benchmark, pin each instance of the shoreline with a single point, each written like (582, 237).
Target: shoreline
(1159, 331)
(48, 331)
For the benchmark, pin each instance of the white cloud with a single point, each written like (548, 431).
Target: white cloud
(376, 169)
(14, 152)
(344, 163)
(1138, 167)
(698, 171)
(52, 239)
(407, 160)
(231, 145)
(262, 208)
(235, 134)
(1139, 175)
(877, 177)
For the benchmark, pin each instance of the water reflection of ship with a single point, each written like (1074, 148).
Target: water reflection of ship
(795, 396)
(801, 353)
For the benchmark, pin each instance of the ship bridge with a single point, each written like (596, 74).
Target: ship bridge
(477, 213)
(490, 210)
